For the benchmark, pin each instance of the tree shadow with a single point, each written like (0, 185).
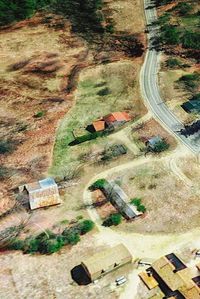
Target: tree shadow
(80, 276)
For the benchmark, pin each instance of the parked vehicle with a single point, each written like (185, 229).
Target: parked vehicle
(119, 278)
(122, 281)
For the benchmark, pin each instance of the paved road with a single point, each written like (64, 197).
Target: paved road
(150, 89)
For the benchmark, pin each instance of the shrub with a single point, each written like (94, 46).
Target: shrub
(39, 114)
(71, 237)
(54, 245)
(6, 146)
(170, 35)
(99, 184)
(85, 226)
(4, 172)
(191, 40)
(31, 245)
(183, 8)
(113, 219)
(17, 244)
(190, 81)
(48, 242)
(137, 202)
(173, 63)
(104, 92)
(141, 208)
(195, 97)
(160, 146)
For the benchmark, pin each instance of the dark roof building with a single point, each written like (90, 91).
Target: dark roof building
(119, 200)
(191, 106)
(152, 142)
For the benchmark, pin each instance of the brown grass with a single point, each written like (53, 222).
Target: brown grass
(35, 64)
(171, 205)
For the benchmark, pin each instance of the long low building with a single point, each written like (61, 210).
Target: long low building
(119, 200)
(106, 261)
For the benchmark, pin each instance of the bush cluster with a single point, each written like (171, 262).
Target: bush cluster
(99, 184)
(48, 242)
(174, 35)
(160, 146)
(138, 203)
(190, 81)
(7, 146)
(173, 63)
(113, 219)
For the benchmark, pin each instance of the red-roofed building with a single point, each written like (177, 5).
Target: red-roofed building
(99, 125)
(117, 117)
(111, 120)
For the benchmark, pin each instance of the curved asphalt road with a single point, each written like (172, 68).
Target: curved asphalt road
(150, 89)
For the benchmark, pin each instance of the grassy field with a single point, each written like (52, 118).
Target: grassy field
(101, 90)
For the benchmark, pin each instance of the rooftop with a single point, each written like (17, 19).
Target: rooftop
(119, 199)
(42, 184)
(174, 278)
(117, 116)
(99, 125)
(154, 140)
(104, 259)
(150, 281)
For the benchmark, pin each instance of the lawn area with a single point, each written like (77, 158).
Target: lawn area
(101, 90)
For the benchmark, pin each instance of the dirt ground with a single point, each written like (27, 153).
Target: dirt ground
(141, 133)
(163, 209)
(35, 65)
(39, 277)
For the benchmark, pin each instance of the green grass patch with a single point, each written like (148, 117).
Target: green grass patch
(118, 78)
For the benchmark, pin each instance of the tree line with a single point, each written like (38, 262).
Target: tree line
(83, 14)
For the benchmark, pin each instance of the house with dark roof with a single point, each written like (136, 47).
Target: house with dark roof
(192, 106)
(42, 193)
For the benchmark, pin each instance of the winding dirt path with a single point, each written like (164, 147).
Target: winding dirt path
(142, 245)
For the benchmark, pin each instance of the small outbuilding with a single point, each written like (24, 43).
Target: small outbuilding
(106, 261)
(192, 106)
(119, 200)
(153, 142)
(42, 193)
